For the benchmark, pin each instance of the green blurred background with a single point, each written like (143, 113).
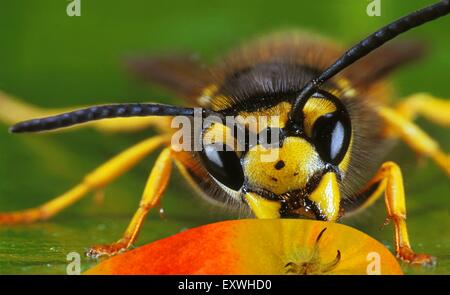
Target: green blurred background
(52, 60)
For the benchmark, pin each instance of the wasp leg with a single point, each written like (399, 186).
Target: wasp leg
(13, 110)
(389, 178)
(434, 109)
(415, 137)
(96, 180)
(155, 187)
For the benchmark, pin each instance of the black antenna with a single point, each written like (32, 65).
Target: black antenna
(366, 46)
(104, 112)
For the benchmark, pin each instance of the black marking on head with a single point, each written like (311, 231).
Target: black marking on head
(295, 204)
(280, 165)
(300, 207)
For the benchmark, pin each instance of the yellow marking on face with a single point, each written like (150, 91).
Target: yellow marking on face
(263, 208)
(327, 196)
(294, 165)
(277, 116)
(314, 109)
(343, 166)
(219, 133)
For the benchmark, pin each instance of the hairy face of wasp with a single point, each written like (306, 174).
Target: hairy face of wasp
(301, 158)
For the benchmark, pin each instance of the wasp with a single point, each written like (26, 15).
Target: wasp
(334, 128)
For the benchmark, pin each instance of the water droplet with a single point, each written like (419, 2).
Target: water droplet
(161, 213)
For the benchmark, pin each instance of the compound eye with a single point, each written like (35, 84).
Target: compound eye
(331, 136)
(224, 166)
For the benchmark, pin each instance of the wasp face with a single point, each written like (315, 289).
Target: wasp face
(295, 175)
(287, 177)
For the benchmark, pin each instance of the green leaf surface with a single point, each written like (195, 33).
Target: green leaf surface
(52, 60)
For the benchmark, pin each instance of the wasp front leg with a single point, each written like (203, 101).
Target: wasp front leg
(389, 178)
(154, 189)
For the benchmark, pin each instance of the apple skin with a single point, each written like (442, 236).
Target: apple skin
(258, 246)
